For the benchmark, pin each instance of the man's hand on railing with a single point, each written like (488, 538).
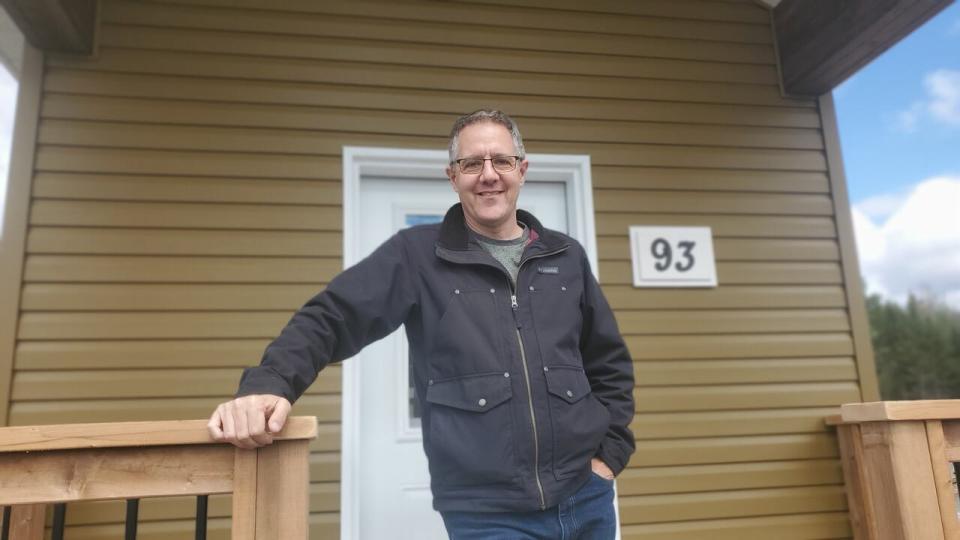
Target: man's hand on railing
(249, 421)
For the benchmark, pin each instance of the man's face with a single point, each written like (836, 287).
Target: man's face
(489, 197)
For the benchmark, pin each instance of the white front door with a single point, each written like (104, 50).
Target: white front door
(393, 485)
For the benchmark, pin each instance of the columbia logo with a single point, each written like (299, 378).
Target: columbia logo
(548, 269)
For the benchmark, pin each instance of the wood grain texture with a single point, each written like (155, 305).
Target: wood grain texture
(282, 494)
(244, 510)
(120, 434)
(901, 410)
(900, 478)
(859, 498)
(26, 521)
(943, 479)
(114, 473)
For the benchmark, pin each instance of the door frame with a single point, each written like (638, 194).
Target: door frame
(365, 161)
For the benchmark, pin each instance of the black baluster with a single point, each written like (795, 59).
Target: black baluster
(59, 518)
(5, 528)
(201, 527)
(133, 508)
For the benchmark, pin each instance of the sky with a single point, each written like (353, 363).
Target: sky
(899, 120)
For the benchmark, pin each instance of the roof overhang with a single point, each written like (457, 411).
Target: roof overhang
(822, 42)
(66, 26)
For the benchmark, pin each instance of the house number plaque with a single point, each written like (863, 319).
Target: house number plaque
(672, 257)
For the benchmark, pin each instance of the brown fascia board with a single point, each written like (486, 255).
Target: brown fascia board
(822, 42)
(63, 26)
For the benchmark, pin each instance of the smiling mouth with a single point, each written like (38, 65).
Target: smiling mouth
(489, 193)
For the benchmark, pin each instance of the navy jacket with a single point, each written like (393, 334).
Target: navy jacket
(519, 389)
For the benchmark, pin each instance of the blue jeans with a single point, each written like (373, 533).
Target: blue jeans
(587, 515)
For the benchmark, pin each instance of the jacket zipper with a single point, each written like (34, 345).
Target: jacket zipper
(526, 376)
(533, 415)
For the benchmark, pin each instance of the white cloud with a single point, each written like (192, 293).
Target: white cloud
(940, 104)
(907, 120)
(943, 87)
(917, 248)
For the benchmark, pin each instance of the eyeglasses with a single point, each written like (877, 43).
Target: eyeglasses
(501, 164)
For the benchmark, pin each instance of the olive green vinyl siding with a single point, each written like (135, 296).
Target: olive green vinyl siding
(187, 198)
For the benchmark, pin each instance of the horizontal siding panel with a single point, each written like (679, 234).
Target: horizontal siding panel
(146, 269)
(61, 240)
(745, 273)
(732, 321)
(95, 355)
(757, 370)
(137, 384)
(703, 10)
(725, 504)
(744, 396)
(174, 325)
(437, 79)
(112, 109)
(522, 18)
(650, 178)
(734, 449)
(615, 200)
(277, 141)
(730, 423)
(448, 55)
(655, 480)
(174, 297)
(725, 297)
(498, 38)
(739, 346)
(185, 216)
(185, 163)
(786, 527)
(325, 466)
(325, 407)
(721, 225)
(451, 102)
(112, 187)
(617, 248)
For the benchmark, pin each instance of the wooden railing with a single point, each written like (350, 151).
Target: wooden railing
(41, 465)
(900, 468)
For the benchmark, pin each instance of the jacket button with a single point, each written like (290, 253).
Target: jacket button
(507, 375)
(456, 291)
(545, 368)
(493, 291)
(430, 382)
(569, 393)
(531, 287)
(482, 402)
(563, 288)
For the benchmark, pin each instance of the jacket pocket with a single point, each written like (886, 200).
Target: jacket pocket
(471, 431)
(578, 420)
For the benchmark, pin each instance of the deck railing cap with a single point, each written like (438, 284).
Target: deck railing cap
(131, 434)
(886, 411)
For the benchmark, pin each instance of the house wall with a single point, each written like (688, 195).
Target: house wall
(187, 199)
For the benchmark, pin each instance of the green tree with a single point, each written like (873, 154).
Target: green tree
(917, 348)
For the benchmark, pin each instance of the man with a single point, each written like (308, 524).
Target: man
(525, 382)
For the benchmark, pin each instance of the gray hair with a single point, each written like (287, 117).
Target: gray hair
(485, 115)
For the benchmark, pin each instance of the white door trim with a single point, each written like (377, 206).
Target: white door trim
(361, 161)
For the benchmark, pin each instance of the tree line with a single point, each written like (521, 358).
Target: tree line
(917, 348)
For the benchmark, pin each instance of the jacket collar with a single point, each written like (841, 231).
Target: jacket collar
(453, 231)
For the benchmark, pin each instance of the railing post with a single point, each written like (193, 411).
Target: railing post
(26, 521)
(271, 492)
